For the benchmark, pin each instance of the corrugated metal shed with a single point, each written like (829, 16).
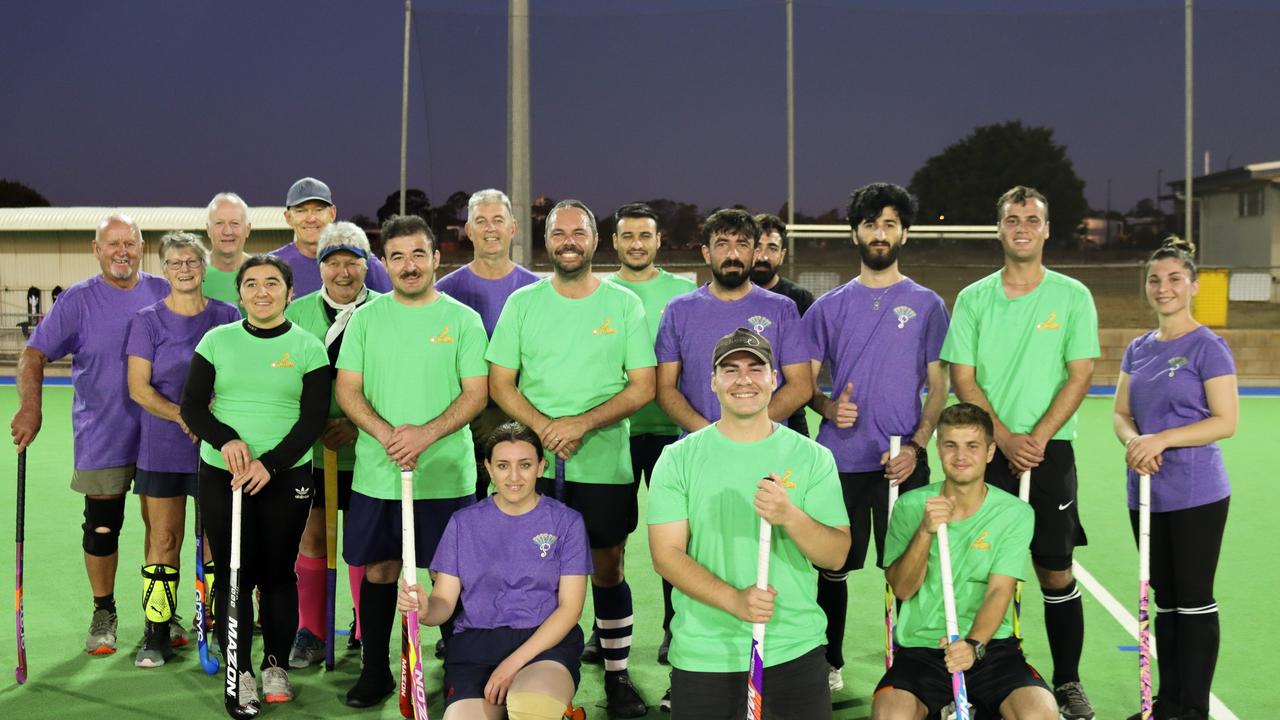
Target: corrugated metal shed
(53, 219)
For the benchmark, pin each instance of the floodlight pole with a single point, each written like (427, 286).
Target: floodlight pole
(1187, 149)
(519, 187)
(791, 136)
(404, 104)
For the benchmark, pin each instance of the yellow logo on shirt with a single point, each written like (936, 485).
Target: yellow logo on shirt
(605, 329)
(786, 481)
(1049, 324)
(981, 543)
(284, 362)
(443, 337)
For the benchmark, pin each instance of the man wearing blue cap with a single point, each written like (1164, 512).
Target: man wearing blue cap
(309, 209)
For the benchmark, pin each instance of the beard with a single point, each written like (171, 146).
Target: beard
(880, 261)
(762, 273)
(572, 273)
(730, 276)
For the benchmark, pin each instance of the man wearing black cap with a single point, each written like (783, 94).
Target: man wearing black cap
(309, 209)
(708, 489)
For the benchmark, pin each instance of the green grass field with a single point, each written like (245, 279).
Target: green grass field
(66, 683)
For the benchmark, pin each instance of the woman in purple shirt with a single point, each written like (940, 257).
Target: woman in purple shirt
(162, 339)
(1176, 397)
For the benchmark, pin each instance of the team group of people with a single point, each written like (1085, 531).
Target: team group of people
(529, 410)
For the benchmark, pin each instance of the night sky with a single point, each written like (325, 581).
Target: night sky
(166, 103)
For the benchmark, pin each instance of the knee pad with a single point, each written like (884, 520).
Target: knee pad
(159, 592)
(534, 706)
(107, 514)
(835, 577)
(1057, 563)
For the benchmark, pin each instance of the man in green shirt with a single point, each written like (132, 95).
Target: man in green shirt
(411, 375)
(572, 358)
(989, 532)
(708, 489)
(228, 228)
(1021, 346)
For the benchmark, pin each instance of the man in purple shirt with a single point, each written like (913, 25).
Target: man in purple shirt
(309, 209)
(694, 322)
(881, 333)
(90, 322)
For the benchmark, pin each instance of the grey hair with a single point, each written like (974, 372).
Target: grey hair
(344, 233)
(179, 240)
(577, 205)
(231, 198)
(120, 218)
(488, 196)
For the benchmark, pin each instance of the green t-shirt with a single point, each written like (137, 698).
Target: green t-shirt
(1020, 348)
(221, 285)
(574, 354)
(308, 313)
(654, 294)
(257, 384)
(413, 359)
(996, 540)
(710, 481)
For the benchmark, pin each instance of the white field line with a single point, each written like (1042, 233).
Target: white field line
(1130, 624)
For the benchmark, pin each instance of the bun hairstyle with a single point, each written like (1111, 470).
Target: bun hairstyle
(1178, 249)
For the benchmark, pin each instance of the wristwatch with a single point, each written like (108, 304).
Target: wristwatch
(979, 649)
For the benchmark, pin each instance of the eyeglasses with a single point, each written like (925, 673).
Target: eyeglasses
(192, 263)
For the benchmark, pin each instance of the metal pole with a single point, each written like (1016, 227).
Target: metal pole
(1187, 150)
(404, 104)
(791, 138)
(518, 150)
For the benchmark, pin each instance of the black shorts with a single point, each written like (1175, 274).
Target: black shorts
(866, 499)
(793, 690)
(471, 656)
(645, 450)
(923, 673)
(344, 488)
(610, 512)
(372, 532)
(149, 483)
(1053, 497)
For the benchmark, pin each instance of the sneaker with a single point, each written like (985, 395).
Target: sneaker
(1157, 712)
(177, 633)
(665, 648)
(155, 648)
(622, 700)
(307, 649)
(591, 651)
(371, 688)
(275, 684)
(353, 642)
(247, 694)
(834, 679)
(1072, 701)
(101, 639)
(440, 649)
(665, 703)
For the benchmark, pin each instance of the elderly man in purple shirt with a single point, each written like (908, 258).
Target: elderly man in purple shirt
(309, 209)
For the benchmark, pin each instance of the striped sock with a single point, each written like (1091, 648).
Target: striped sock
(614, 618)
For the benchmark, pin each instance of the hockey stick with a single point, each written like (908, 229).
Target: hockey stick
(755, 679)
(232, 699)
(21, 671)
(406, 700)
(331, 554)
(208, 662)
(895, 447)
(958, 689)
(1144, 593)
(418, 683)
(1024, 494)
(559, 486)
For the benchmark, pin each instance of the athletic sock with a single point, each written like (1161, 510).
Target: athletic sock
(614, 618)
(105, 602)
(833, 598)
(1198, 638)
(1166, 631)
(1064, 624)
(377, 614)
(355, 576)
(668, 610)
(312, 594)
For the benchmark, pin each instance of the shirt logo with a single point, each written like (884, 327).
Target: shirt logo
(981, 543)
(1050, 323)
(443, 337)
(301, 493)
(284, 362)
(904, 314)
(759, 323)
(1176, 364)
(786, 481)
(544, 541)
(605, 328)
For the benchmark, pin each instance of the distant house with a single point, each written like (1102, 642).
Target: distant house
(1099, 232)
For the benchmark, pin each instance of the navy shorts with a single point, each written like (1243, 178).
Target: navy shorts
(372, 532)
(923, 673)
(610, 512)
(472, 655)
(1053, 496)
(344, 489)
(150, 483)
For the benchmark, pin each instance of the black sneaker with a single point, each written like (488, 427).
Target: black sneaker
(665, 648)
(591, 651)
(1072, 701)
(353, 642)
(665, 703)
(1158, 712)
(622, 700)
(440, 649)
(371, 688)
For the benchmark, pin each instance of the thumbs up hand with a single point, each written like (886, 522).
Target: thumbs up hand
(843, 412)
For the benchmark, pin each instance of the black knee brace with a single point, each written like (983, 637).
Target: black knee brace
(107, 514)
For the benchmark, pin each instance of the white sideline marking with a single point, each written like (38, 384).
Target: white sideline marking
(1130, 624)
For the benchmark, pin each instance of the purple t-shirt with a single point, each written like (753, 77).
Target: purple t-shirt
(306, 271)
(885, 353)
(90, 322)
(1166, 389)
(694, 322)
(168, 340)
(510, 565)
(483, 295)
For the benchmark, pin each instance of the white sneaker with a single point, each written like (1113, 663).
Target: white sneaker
(834, 679)
(276, 687)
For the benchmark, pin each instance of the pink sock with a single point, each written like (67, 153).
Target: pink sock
(311, 594)
(355, 575)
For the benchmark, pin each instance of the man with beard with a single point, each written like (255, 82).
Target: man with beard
(309, 209)
(90, 322)
(881, 333)
(572, 359)
(228, 229)
(771, 252)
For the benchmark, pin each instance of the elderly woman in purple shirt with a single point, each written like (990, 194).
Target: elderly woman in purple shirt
(1176, 397)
